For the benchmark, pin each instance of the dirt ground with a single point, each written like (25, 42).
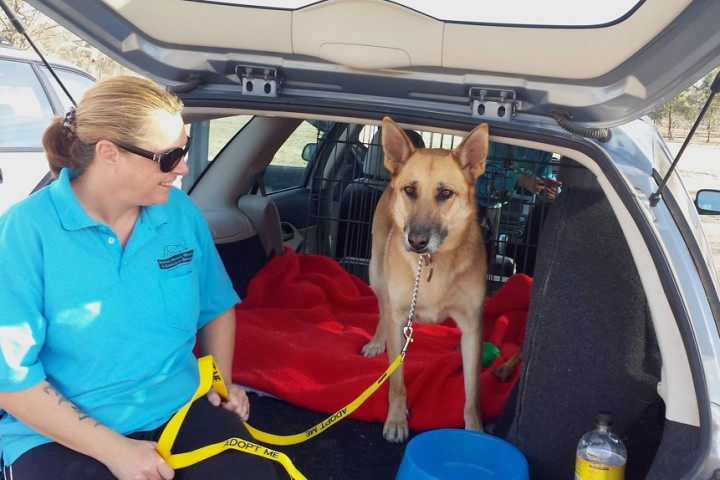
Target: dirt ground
(699, 168)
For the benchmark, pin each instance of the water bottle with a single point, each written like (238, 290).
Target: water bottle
(600, 455)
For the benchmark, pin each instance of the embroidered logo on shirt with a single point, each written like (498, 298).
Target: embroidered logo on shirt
(175, 255)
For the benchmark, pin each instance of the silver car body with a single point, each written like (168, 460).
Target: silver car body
(355, 61)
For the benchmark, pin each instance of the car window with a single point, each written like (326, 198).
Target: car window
(25, 110)
(288, 166)
(209, 137)
(75, 83)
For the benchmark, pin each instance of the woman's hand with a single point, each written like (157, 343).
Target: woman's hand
(550, 192)
(532, 184)
(45, 409)
(138, 460)
(217, 338)
(237, 401)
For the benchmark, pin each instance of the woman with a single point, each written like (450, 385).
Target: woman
(509, 167)
(108, 276)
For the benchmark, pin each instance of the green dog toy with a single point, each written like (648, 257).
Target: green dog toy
(489, 353)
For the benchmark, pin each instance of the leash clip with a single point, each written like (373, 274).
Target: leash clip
(408, 332)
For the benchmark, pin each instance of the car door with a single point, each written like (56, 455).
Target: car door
(25, 111)
(306, 179)
(29, 97)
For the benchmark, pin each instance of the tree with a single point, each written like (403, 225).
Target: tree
(687, 105)
(28, 16)
(55, 41)
(712, 115)
(672, 112)
(660, 114)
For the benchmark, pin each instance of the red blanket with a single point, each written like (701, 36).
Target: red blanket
(305, 320)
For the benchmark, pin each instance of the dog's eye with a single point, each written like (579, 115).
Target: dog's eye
(445, 194)
(410, 190)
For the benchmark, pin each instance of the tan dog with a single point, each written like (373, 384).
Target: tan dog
(429, 209)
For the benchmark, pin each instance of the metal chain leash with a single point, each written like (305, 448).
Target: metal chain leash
(408, 330)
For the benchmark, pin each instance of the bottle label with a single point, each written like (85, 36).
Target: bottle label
(585, 470)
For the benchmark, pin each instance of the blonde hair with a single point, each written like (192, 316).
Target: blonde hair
(119, 109)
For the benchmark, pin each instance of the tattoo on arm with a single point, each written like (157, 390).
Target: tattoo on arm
(50, 390)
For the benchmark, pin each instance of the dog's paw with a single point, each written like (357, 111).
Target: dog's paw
(373, 349)
(396, 431)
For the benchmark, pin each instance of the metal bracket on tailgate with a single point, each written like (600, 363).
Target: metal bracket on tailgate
(493, 103)
(259, 81)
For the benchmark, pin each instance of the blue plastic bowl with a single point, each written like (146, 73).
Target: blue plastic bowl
(453, 454)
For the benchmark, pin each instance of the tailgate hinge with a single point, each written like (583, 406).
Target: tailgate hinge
(259, 81)
(493, 103)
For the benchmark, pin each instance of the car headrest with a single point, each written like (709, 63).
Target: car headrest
(573, 174)
(374, 166)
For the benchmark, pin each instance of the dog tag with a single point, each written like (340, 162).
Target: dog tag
(427, 259)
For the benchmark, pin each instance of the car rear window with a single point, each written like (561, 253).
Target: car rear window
(556, 13)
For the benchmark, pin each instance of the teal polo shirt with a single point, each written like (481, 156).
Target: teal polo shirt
(504, 165)
(112, 329)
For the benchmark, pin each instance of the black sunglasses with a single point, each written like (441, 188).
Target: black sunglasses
(167, 160)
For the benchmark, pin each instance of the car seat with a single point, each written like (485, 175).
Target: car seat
(246, 238)
(357, 207)
(589, 345)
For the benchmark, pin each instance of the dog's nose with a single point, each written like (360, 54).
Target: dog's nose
(418, 241)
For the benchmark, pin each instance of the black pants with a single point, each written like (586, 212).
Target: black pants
(203, 425)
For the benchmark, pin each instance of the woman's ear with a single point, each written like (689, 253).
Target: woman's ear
(107, 152)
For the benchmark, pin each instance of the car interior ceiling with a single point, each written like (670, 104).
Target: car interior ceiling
(561, 380)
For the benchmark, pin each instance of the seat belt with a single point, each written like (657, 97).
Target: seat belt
(260, 182)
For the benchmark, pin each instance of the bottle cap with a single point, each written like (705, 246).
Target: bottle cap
(604, 418)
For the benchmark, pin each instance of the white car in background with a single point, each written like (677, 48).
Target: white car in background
(29, 98)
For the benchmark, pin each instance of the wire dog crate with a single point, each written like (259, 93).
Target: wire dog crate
(349, 182)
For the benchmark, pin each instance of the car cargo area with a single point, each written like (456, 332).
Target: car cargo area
(561, 275)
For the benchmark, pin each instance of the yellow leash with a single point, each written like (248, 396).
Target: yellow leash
(210, 377)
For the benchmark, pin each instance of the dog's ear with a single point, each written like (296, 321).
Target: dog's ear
(396, 145)
(472, 152)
